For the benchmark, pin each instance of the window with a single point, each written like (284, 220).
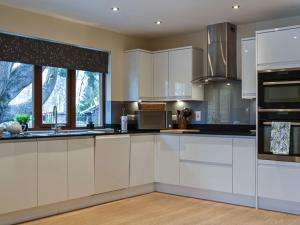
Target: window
(16, 90)
(88, 98)
(54, 93)
(78, 95)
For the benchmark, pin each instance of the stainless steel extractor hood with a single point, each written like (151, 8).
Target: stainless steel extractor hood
(221, 53)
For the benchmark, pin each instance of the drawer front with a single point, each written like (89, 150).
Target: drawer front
(206, 176)
(279, 182)
(206, 149)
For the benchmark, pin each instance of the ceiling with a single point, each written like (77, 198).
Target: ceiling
(137, 17)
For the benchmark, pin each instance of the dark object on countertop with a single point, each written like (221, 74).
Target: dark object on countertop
(182, 117)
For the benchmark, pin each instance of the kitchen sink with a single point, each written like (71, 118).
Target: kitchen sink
(46, 133)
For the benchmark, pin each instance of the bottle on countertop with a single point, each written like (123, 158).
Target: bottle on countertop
(124, 121)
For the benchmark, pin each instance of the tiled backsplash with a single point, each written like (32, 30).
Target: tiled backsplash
(223, 105)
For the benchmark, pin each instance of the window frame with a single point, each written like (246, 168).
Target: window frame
(71, 100)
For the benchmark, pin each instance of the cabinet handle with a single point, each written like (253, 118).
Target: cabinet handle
(272, 83)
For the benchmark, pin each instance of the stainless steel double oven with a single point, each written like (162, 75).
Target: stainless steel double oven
(278, 100)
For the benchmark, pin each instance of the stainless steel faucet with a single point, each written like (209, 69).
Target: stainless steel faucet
(55, 126)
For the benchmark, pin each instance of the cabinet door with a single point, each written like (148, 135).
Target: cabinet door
(161, 74)
(145, 75)
(278, 49)
(18, 176)
(112, 163)
(180, 72)
(52, 171)
(279, 180)
(244, 166)
(142, 160)
(80, 167)
(206, 176)
(167, 159)
(206, 149)
(248, 68)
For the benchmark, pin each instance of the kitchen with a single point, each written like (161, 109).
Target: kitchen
(222, 153)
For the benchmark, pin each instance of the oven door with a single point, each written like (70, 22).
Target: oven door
(264, 136)
(279, 90)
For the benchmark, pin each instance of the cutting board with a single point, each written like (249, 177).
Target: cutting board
(179, 131)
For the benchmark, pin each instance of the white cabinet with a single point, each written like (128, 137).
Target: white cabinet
(206, 162)
(279, 180)
(206, 176)
(111, 163)
(167, 159)
(138, 75)
(161, 74)
(80, 167)
(184, 63)
(141, 160)
(206, 149)
(249, 68)
(18, 176)
(52, 171)
(244, 152)
(278, 48)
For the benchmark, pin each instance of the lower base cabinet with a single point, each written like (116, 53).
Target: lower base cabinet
(206, 176)
(18, 176)
(279, 180)
(167, 159)
(80, 168)
(244, 153)
(52, 171)
(141, 160)
(111, 163)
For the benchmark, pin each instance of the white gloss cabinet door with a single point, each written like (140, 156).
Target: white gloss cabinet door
(18, 176)
(167, 159)
(249, 68)
(80, 167)
(180, 72)
(209, 176)
(161, 74)
(244, 150)
(52, 171)
(141, 160)
(145, 75)
(112, 163)
(279, 180)
(278, 48)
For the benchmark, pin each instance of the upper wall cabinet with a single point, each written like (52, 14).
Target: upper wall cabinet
(248, 68)
(278, 48)
(138, 75)
(161, 74)
(167, 78)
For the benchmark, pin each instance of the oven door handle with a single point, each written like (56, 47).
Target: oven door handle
(274, 83)
(278, 110)
(292, 123)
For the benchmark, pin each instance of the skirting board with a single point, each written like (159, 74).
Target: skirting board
(206, 194)
(279, 205)
(71, 205)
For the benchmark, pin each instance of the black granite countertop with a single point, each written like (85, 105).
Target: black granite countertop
(233, 130)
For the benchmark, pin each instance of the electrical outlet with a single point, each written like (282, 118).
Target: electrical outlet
(198, 115)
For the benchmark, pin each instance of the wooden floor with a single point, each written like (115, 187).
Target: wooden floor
(162, 209)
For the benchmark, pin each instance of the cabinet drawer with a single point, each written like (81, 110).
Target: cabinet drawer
(206, 176)
(206, 149)
(279, 181)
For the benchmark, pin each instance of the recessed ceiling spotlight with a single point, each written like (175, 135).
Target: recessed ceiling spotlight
(236, 6)
(158, 22)
(115, 9)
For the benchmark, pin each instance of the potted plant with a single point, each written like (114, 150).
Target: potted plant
(23, 119)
